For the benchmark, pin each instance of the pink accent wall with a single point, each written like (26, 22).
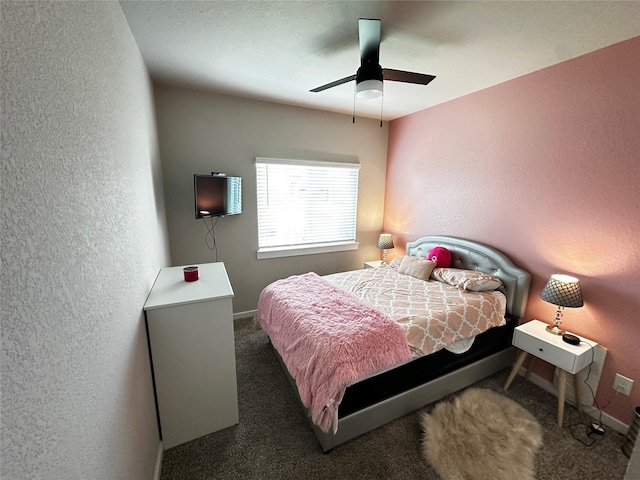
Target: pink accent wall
(546, 168)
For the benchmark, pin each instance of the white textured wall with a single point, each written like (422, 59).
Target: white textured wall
(202, 132)
(83, 236)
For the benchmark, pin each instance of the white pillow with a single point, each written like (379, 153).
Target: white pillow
(469, 280)
(417, 267)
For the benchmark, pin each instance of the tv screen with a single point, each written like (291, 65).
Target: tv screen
(217, 195)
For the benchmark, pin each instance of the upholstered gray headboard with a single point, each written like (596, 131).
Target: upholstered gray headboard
(472, 255)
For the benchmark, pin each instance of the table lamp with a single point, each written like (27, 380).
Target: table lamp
(562, 291)
(385, 242)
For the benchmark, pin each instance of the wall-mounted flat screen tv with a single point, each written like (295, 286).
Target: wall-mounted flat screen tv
(217, 195)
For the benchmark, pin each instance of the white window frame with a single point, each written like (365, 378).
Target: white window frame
(305, 249)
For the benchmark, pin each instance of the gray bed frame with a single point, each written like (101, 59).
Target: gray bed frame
(465, 254)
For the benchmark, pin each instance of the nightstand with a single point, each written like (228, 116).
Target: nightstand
(373, 264)
(532, 338)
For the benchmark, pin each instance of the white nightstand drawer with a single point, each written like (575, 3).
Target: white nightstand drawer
(544, 350)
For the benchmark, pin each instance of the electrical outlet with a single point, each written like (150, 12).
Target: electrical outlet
(622, 384)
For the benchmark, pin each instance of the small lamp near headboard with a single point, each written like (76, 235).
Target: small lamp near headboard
(385, 242)
(562, 291)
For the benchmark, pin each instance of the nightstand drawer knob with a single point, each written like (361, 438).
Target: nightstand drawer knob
(541, 349)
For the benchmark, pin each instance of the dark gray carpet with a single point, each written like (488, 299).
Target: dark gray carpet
(274, 441)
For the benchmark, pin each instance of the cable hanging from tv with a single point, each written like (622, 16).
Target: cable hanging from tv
(210, 236)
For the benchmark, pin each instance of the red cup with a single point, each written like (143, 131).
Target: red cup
(190, 274)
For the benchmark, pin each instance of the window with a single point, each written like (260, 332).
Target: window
(305, 206)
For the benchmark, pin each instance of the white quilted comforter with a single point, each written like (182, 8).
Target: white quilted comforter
(434, 315)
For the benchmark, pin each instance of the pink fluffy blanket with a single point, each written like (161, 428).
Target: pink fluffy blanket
(328, 339)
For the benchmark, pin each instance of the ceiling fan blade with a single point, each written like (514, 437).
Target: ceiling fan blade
(334, 84)
(369, 39)
(406, 77)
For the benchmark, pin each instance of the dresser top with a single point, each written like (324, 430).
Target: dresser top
(170, 288)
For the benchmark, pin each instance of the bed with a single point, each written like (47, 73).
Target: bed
(397, 382)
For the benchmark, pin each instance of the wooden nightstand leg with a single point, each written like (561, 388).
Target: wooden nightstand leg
(532, 362)
(514, 370)
(562, 387)
(577, 385)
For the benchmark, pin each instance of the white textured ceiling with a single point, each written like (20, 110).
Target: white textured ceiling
(279, 50)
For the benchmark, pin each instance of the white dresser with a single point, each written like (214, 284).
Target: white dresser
(190, 327)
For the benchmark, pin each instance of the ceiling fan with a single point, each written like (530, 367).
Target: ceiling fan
(370, 75)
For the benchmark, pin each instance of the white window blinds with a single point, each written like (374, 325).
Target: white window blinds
(305, 203)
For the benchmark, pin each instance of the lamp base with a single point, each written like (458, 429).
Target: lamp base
(555, 330)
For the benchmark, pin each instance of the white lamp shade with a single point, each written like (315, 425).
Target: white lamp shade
(369, 89)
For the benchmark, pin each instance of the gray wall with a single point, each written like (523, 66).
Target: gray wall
(83, 237)
(201, 132)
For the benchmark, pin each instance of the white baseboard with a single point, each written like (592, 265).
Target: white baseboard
(607, 419)
(247, 314)
(158, 471)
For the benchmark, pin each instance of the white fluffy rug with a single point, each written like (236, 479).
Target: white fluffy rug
(481, 435)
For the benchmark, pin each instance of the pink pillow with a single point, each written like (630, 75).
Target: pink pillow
(441, 256)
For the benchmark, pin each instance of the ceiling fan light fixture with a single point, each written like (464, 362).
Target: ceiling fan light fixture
(369, 89)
